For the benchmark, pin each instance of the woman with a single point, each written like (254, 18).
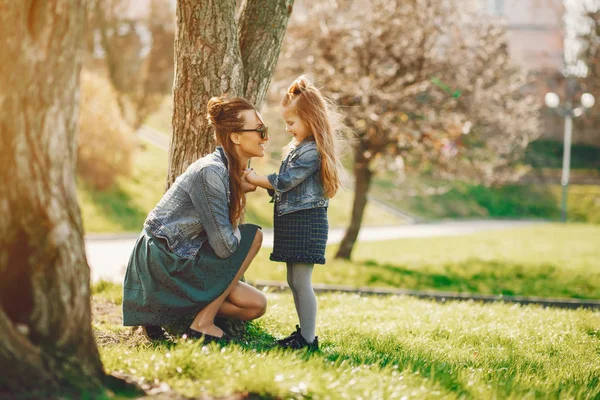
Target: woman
(192, 250)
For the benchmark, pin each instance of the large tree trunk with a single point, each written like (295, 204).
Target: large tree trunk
(362, 178)
(47, 346)
(208, 63)
(213, 57)
(217, 52)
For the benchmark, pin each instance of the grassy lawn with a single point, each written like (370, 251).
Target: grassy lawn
(549, 260)
(408, 348)
(462, 200)
(124, 207)
(549, 153)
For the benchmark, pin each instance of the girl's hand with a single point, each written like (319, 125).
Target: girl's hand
(249, 175)
(246, 185)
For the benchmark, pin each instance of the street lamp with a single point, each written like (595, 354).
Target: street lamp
(568, 111)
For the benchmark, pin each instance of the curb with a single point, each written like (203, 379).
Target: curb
(441, 296)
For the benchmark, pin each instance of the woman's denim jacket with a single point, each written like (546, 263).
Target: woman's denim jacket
(196, 209)
(298, 185)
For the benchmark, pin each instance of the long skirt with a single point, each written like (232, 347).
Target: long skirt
(162, 288)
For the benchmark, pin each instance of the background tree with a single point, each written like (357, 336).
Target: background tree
(426, 85)
(134, 49)
(46, 343)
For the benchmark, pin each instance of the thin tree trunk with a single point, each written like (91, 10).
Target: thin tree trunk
(362, 176)
(47, 347)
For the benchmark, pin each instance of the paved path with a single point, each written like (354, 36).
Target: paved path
(108, 254)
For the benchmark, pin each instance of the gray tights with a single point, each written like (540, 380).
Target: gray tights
(299, 279)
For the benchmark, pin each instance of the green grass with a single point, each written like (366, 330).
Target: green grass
(462, 200)
(124, 207)
(376, 348)
(549, 153)
(548, 260)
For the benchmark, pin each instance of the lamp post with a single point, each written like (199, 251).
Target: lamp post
(568, 111)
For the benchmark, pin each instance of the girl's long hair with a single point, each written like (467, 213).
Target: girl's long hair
(321, 117)
(223, 115)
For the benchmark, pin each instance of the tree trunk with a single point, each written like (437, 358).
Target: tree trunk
(208, 63)
(362, 177)
(262, 27)
(214, 57)
(47, 347)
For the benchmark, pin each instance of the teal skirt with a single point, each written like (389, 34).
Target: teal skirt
(162, 288)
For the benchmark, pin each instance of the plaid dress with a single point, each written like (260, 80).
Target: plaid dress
(300, 236)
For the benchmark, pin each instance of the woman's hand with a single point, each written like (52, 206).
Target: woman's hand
(246, 185)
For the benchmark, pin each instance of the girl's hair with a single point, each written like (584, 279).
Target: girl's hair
(320, 116)
(223, 115)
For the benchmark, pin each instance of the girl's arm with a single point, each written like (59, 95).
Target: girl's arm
(299, 168)
(258, 180)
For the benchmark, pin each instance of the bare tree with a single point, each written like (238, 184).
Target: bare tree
(412, 79)
(47, 348)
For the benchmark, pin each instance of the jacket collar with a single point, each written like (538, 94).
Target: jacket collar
(305, 142)
(221, 154)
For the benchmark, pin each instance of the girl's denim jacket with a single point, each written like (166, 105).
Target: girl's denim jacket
(298, 185)
(196, 209)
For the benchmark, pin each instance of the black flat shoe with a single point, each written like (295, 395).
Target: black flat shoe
(296, 342)
(287, 340)
(156, 333)
(196, 335)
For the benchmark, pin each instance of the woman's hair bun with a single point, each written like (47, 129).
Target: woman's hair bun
(215, 109)
(300, 85)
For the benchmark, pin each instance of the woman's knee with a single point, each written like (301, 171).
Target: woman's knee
(259, 306)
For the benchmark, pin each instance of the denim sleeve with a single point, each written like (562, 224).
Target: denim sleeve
(297, 171)
(209, 196)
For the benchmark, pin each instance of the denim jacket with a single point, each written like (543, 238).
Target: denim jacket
(298, 185)
(196, 209)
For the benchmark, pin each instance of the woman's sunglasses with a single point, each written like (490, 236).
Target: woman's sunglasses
(263, 130)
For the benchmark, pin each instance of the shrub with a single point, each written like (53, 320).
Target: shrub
(106, 142)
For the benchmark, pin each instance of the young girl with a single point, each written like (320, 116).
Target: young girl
(307, 179)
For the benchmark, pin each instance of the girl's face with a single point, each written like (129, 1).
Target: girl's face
(294, 125)
(250, 142)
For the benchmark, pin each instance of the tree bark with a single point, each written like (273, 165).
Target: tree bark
(208, 63)
(47, 348)
(362, 177)
(262, 28)
(213, 57)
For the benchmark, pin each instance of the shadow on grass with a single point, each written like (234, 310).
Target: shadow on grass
(488, 277)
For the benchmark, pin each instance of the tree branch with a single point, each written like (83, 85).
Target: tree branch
(262, 26)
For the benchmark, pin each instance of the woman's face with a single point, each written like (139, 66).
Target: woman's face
(249, 142)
